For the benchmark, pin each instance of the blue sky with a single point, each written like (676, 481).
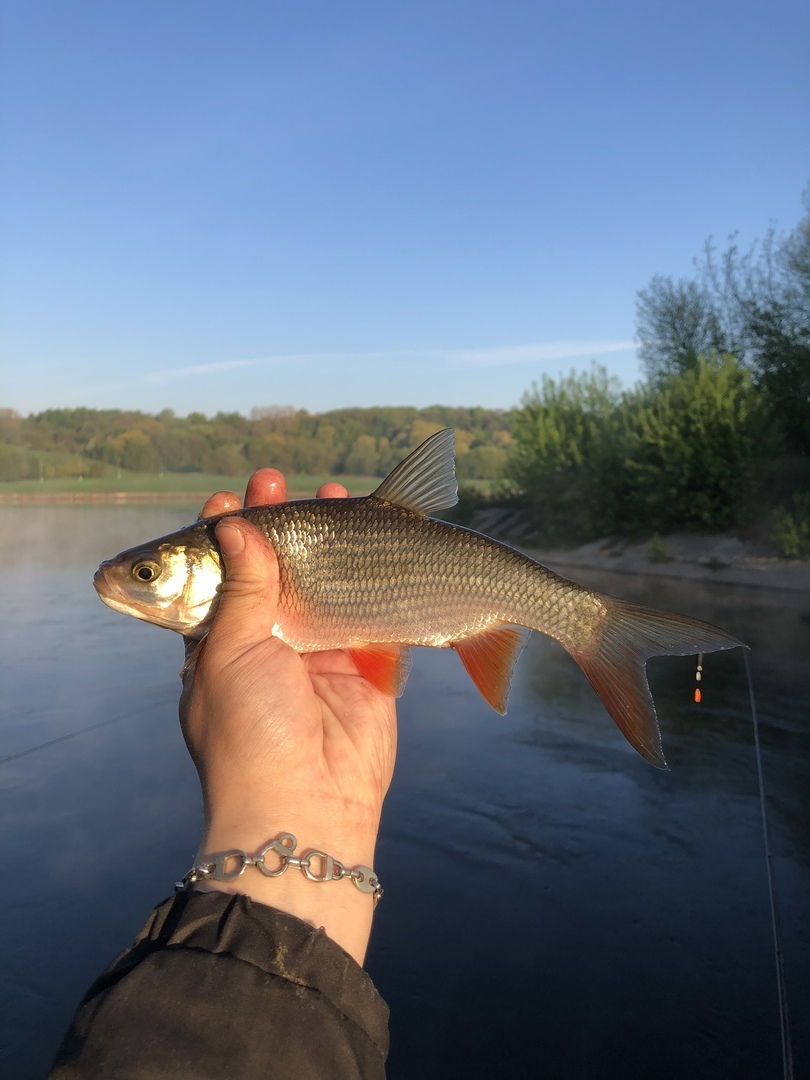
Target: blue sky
(211, 205)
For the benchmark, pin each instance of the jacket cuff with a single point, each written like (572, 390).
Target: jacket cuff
(272, 941)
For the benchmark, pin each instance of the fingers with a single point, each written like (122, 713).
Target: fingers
(246, 613)
(332, 490)
(265, 487)
(221, 502)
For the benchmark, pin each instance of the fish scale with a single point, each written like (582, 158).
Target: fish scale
(376, 575)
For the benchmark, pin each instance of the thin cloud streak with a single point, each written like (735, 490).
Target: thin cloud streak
(169, 374)
(539, 352)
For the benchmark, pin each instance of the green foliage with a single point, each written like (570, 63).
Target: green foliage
(18, 463)
(567, 452)
(591, 461)
(792, 528)
(676, 322)
(770, 288)
(350, 442)
(755, 305)
(690, 449)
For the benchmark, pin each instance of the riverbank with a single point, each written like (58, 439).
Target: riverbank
(719, 558)
(303, 489)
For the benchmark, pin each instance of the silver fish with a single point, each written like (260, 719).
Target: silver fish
(375, 575)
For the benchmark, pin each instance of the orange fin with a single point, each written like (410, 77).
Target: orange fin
(490, 658)
(615, 656)
(385, 666)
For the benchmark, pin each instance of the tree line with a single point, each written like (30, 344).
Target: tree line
(353, 442)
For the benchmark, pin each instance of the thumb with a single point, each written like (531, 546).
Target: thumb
(246, 613)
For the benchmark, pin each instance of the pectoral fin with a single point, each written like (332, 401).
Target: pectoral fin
(490, 658)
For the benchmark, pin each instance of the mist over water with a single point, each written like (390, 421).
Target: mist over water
(554, 906)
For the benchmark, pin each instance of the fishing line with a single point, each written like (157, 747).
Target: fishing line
(784, 1021)
(81, 731)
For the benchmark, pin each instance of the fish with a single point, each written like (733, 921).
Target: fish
(376, 575)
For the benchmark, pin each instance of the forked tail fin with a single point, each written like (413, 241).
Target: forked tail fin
(614, 662)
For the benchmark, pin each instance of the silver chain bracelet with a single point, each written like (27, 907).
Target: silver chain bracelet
(229, 865)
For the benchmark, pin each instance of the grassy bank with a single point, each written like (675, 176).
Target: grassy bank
(161, 484)
(166, 484)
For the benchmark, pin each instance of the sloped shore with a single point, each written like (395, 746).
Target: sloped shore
(722, 558)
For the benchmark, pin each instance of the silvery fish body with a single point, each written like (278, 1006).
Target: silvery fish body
(363, 570)
(375, 575)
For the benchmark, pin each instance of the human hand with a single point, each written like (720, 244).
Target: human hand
(282, 742)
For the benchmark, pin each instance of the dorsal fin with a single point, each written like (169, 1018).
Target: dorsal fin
(426, 480)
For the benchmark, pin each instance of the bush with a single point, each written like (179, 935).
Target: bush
(682, 453)
(792, 529)
(567, 454)
(692, 447)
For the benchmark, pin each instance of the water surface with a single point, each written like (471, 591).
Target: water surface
(554, 906)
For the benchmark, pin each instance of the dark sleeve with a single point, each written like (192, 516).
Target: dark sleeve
(216, 986)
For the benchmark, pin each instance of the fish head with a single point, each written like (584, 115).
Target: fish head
(172, 582)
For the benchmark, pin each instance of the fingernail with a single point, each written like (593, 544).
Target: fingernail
(231, 540)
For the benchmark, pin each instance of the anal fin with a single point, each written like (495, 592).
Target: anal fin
(490, 658)
(386, 666)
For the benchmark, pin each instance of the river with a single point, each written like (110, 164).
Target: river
(555, 907)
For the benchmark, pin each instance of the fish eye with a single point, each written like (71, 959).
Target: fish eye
(145, 570)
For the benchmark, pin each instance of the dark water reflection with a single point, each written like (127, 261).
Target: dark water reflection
(554, 906)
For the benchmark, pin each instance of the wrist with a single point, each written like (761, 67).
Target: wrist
(236, 815)
(314, 882)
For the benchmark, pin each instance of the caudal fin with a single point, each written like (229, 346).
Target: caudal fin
(615, 658)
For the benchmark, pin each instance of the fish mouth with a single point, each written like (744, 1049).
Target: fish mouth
(106, 585)
(101, 583)
(109, 591)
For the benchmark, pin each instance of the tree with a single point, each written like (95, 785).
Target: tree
(754, 305)
(692, 447)
(676, 321)
(363, 459)
(567, 454)
(766, 294)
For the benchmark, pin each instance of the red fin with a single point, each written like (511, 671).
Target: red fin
(614, 656)
(489, 658)
(385, 666)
